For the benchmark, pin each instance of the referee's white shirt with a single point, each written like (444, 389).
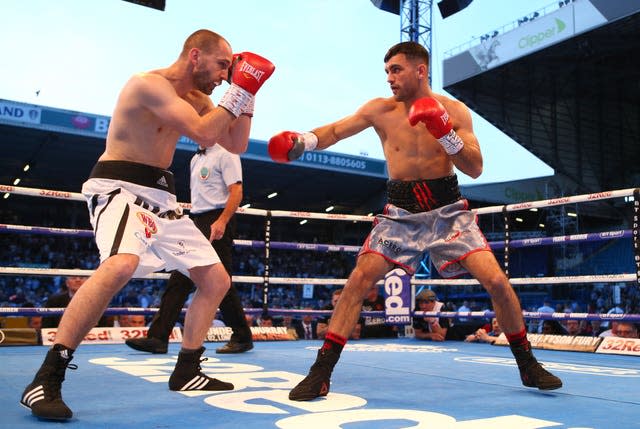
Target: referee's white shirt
(211, 175)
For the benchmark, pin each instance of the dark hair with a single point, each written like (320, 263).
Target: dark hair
(411, 50)
(205, 40)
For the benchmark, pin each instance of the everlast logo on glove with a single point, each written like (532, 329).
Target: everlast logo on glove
(251, 71)
(397, 297)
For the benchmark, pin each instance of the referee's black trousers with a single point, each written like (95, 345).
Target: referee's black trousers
(180, 286)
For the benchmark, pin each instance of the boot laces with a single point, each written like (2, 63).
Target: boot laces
(204, 359)
(52, 381)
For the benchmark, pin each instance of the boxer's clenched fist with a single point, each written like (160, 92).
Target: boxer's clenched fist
(289, 145)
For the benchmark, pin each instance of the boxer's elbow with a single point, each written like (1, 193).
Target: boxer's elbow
(475, 172)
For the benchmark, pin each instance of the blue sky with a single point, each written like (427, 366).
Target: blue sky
(328, 56)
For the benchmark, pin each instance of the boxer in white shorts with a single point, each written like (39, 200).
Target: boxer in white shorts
(133, 206)
(134, 214)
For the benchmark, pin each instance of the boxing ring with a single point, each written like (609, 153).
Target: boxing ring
(379, 383)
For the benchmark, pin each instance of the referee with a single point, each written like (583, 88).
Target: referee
(216, 193)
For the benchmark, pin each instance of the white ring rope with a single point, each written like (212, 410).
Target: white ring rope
(75, 196)
(607, 278)
(598, 278)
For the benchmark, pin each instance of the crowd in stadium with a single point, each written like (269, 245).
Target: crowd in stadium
(42, 251)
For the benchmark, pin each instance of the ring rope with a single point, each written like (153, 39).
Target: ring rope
(284, 245)
(114, 311)
(281, 213)
(507, 240)
(596, 278)
(75, 196)
(267, 263)
(636, 232)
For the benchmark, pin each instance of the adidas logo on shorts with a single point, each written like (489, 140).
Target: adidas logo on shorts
(162, 182)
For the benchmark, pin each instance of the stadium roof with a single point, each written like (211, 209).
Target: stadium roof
(62, 146)
(565, 86)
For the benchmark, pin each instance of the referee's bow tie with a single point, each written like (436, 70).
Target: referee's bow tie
(201, 151)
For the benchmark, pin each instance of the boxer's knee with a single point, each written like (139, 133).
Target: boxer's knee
(498, 287)
(211, 278)
(120, 268)
(359, 283)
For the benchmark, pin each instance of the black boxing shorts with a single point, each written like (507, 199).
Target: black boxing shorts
(417, 196)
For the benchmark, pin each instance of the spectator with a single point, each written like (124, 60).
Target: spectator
(62, 299)
(144, 298)
(306, 328)
(625, 330)
(266, 321)
(430, 328)
(35, 322)
(576, 327)
(595, 328)
(464, 308)
(251, 320)
(613, 310)
(486, 337)
(323, 323)
(439, 329)
(131, 320)
(375, 326)
(546, 308)
(552, 327)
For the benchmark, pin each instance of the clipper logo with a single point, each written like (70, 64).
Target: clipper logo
(531, 40)
(247, 68)
(148, 222)
(397, 292)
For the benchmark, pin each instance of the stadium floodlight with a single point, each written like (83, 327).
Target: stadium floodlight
(449, 7)
(154, 4)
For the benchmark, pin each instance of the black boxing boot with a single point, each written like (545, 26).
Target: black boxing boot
(187, 374)
(317, 383)
(532, 373)
(43, 396)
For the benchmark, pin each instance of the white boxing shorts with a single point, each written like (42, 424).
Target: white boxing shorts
(449, 233)
(133, 209)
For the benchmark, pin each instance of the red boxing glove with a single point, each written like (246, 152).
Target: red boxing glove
(251, 71)
(247, 75)
(234, 61)
(289, 145)
(436, 119)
